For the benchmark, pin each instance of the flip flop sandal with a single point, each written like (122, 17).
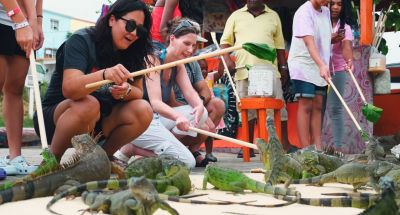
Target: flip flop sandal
(211, 158)
(202, 163)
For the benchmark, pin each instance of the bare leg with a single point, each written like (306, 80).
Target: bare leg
(72, 118)
(316, 121)
(303, 120)
(130, 150)
(13, 109)
(125, 123)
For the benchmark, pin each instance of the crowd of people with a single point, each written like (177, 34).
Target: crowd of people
(152, 114)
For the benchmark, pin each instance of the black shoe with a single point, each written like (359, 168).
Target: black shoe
(210, 157)
(292, 149)
(240, 154)
(202, 163)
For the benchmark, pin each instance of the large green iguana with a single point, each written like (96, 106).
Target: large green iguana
(115, 184)
(89, 163)
(279, 167)
(356, 174)
(315, 163)
(169, 175)
(228, 179)
(140, 199)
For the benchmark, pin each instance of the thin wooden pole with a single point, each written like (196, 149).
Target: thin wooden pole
(218, 136)
(38, 101)
(169, 65)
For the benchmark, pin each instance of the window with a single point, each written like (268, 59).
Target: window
(54, 24)
(50, 53)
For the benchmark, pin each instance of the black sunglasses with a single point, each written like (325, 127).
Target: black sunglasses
(131, 26)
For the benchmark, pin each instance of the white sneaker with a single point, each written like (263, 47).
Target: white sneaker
(21, 166)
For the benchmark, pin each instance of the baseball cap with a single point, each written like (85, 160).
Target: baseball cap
(188, 23)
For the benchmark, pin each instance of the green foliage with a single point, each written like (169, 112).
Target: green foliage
(260, 50)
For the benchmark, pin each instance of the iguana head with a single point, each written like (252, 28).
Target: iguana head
(143, 189)
(83, 143)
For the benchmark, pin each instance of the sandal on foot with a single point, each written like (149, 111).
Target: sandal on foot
(203, 162)
(210, 157)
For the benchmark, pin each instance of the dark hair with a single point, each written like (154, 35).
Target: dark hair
(135, 57)
(174, 24)
(345, 16)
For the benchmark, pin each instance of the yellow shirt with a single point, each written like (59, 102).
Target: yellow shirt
(242, 27)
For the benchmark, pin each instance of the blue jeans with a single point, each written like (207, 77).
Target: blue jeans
(335, 108)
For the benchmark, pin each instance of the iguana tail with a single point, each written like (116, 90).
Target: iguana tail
(356, 202)
(325, 178)
(191, 201)
(93, 185)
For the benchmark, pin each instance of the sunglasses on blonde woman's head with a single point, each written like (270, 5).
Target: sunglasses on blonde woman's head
(184, 24)
(131, 26)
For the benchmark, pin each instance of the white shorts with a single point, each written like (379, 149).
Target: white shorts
(161, 141)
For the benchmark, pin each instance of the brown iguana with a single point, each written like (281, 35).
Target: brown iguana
(279, 167)
(140, 199)
(169, 175)
(356, 174)
(89, 163)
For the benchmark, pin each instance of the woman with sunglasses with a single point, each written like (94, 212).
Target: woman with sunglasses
(118, 44)
(170, 124)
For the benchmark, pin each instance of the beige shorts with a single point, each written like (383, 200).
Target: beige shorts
(242, 88)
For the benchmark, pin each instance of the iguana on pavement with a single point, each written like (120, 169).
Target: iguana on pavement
(279, 167)
(89, 163)
(356, 174)
(169, 175)
(140, 199)
(228, 179)
(122, 184)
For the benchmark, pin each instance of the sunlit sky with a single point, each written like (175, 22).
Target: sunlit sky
(87, 10)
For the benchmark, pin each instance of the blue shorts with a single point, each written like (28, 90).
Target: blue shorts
(303, 89)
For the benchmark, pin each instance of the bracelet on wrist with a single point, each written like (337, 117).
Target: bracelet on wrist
(20, 25)
(283, 67)
(104, 74)
(13, 12)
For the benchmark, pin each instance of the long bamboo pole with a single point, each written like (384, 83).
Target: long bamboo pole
(38, 101)
(218, 136)
(169, 65)
(213, 36)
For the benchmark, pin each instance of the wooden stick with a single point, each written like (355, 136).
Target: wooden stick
(169, 65)
(357, 86)
(226, 68)
(38, 101)
(345, 106)
(218, 136)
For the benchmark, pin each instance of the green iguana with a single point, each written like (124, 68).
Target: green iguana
(228, 179)
(356, 174)
(89, 163)
(315, 163)
(279, 167)
(169, 175)
(140, 199)
(115, 184)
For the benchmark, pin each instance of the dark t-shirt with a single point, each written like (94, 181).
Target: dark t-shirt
(194, 73)
(192, 9)
(78, 52)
